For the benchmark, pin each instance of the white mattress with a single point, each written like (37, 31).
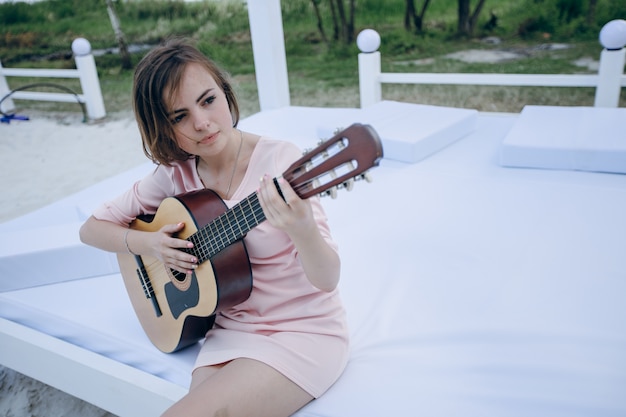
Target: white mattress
(471, 289)
(577, 138)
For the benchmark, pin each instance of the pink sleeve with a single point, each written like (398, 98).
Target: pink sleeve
(146, 195)
(322, 222)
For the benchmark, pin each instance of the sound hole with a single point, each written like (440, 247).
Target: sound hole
(178, 276)
(180, 280)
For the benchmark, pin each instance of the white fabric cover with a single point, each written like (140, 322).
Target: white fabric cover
(576, 138)
(471, 289)
(409, 132)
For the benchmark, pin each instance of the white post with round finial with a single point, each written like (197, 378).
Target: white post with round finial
(88, 75)
(268, 49)
(7, 104)
(613, 39)
(368, 42)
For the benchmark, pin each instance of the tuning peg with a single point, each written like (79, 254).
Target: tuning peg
(348, 185)
(367, 177)
(332, 192)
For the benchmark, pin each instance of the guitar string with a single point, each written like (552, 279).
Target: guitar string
(219, 233)
(213, 238)
(222, 235)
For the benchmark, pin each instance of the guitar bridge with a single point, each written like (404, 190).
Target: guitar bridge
(146, 284)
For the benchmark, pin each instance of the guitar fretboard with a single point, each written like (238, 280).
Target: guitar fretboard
(227, 228)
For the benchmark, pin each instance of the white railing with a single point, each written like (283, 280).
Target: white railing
(85, 71)
(608, 82)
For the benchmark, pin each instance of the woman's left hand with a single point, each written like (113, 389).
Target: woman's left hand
(291, 214)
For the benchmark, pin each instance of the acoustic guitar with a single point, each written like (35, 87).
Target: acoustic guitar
(176, 309)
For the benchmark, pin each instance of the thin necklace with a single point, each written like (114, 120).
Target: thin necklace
(232, 176)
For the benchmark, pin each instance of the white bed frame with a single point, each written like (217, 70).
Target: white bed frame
(106, 383)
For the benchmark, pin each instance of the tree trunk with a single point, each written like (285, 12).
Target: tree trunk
(351, 22)
(342, 21)
(474, 17)
(119, 35)
(333, 13)
(420, 21)
(467, 20)
(464, 16)
(591, 13)
(320, 25)
(409, 14)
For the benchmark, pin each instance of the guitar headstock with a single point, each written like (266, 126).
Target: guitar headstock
(335, 163)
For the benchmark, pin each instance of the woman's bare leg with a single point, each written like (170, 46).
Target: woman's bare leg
(243, 387)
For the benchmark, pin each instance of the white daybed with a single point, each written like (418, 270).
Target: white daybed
(472, 290)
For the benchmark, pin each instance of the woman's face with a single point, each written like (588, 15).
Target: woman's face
(200, 114)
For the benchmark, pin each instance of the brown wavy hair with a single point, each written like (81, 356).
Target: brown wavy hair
(160, 72)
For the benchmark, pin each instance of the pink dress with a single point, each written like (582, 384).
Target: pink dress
(286, 323)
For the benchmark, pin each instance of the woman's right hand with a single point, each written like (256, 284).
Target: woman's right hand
(160, 244)
(168, 249)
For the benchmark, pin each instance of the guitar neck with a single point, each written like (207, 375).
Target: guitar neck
(332, 164)
(227, 228)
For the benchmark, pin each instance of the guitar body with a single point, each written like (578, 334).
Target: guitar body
(176, 310)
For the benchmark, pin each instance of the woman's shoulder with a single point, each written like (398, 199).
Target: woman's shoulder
(272, 156)
(270, 142)
(278, 147)
(178, 177)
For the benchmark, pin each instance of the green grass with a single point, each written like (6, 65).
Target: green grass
(320, 74)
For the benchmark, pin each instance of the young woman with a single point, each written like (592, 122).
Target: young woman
(288, 342)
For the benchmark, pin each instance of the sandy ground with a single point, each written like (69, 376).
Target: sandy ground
(41, 161)
(47, 158)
